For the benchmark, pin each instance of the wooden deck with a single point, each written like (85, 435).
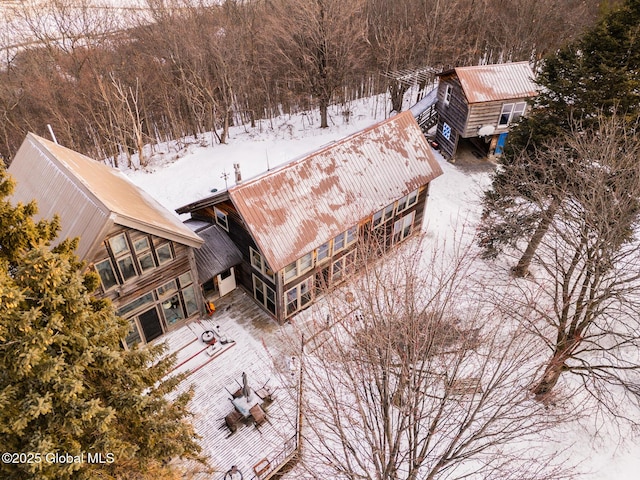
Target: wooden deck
(216, 375)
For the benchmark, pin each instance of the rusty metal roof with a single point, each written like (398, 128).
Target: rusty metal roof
(298, 207)
(490, 83)
(88, 196)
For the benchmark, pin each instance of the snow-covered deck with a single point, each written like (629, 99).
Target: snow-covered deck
(216, 376)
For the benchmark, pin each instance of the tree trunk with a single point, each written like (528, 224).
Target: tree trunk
(551, 376)
(324, 107)
(397, 91)
(522, 268)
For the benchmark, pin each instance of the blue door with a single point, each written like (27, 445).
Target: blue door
(502, 139)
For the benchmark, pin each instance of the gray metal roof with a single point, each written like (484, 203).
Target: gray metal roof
(298, 207)
(88, 196)
(217, 254)
(504, 81)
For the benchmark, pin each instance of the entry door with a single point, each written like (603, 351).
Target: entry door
(150, 323)
(226, 281)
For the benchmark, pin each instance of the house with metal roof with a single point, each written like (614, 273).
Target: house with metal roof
(301, 227)
(477, 105)
(142, 252)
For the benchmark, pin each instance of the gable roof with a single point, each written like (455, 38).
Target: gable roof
(88, 196)
(489, 83)
(299, 206)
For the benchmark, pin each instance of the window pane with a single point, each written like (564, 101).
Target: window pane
(185, 279)
(130, 307)
(291, 271)
(256, 259)
(506, 114)
(338, 242)
(258, 289)
(388, 212)
(336, 271)
(107, 276)
(118, 244)
(134, 335)
(305, 292)
(292, 300)
(352, 234)
(172, 309)
(221, 218)
(141, 244)
(323, 252)
(518, 111)
(146, 262)
(402, 203)
(126, 268)
(189, 295)
(413, 198)
(164, 253)
(306, 262)
(167, 288)
(377, 218)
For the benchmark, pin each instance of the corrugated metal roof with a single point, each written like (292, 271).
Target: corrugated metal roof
(505, 81)
(88, 194)
(218, 253)
(298, 207)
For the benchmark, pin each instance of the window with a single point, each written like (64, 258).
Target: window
(119, 244)
(264, 295)
(408, 201)
(172, 309)
(352, 235)
(343, 266)
(141, 244)
(447, 95)
(190, 301)
(511, 113)
(167, 288)
(518, 111)
(402, 228)
(338, 242)
(300, 266)
(299, 296)
(221, 218)
(130, 307)
(107, 277)
(383, 215)
(127, 270)
(322, 252)
(142, 247)
(260, 264)
(164, 253)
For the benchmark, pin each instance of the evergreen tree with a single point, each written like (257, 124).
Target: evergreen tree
(594, 76)
(67, 386)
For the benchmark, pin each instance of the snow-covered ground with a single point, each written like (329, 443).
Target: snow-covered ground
(176, 178)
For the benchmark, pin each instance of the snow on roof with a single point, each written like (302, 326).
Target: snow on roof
(102, 190)
(489, 83)
(298, 207)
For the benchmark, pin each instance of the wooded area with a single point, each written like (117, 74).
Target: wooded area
(180, 68)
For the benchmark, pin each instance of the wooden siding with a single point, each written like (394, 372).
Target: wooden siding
(456, 113)
(146, 282)
(487, 113)
(447, 145)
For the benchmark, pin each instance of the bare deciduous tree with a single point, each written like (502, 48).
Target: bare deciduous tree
(587, 287)
(410, 378)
